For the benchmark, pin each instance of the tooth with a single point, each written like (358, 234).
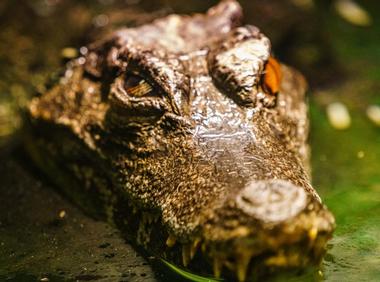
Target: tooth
(313, 233)
(242, 266)
(228, 265)
(170, 242)
(320, 273)
(194, 247)
(203, 247)
(217, 267)
(186, 254)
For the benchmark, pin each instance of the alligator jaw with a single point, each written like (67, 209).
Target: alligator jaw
(252, 250)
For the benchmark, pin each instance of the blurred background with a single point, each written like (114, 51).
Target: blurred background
(335, 43)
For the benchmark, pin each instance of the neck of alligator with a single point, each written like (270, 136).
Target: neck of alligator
(172, 126)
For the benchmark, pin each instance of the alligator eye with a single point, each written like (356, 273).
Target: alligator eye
(272, 77)
(137, 86)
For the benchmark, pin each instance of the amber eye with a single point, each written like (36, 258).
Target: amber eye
(137, 86)
(272, 76)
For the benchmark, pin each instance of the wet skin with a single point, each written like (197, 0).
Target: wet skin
(169, 131)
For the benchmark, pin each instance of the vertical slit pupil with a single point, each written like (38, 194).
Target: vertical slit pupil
(137, 86)
(133, 81)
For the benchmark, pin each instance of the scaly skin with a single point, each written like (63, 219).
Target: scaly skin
(204, 168)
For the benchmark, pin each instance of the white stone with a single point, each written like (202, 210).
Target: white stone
(353, 13)
(338, 116)
(373, 113)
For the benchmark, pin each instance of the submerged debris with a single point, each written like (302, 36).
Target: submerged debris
(373, 113)
(62, 214)
(360, 154)
(338, 116)
(353, 13)
(304, 4)
(69, 53)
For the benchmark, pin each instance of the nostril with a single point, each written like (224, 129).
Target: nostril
(271, 201)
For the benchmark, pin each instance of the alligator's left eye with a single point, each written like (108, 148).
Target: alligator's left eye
(137, 86)
(272, 76)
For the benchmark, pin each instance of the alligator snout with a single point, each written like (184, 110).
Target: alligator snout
(268, 224)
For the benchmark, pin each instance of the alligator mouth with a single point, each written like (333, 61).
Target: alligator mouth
(245, 262)
(251, 254)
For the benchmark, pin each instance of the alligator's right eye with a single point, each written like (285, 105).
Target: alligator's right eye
(134, 103)
(137, 86)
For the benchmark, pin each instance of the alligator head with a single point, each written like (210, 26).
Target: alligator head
(194, 141)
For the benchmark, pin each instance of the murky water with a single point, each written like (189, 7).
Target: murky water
(339, 59)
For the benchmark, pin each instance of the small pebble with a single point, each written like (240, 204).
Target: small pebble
(373, 113)
(101, 20)
(62, 214)
(45, 279)
(304, 4)
(69, 53)
(353, 13)
(83, 50)
(338, 116)
(360, 154)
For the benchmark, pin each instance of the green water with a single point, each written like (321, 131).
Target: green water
(346, 164)
(347, 173)
(350, 187)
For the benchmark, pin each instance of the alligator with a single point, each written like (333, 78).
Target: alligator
(191, 138)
